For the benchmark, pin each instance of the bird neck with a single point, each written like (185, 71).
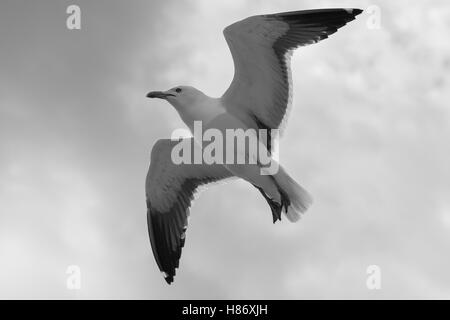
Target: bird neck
(203, 110)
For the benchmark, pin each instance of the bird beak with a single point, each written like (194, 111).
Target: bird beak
(159, 95)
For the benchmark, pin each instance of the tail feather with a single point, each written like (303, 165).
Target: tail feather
(298, 199)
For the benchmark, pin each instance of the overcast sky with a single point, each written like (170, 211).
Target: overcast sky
(368, 136)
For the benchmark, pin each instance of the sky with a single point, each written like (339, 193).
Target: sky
(367, 136)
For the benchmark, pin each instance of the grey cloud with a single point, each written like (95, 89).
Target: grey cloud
(367, 136)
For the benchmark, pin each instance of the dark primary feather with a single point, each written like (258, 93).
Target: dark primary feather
(167, 228)
(306, 27)
(170, 189)
(261, 89)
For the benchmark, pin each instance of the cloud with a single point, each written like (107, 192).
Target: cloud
(367, 136)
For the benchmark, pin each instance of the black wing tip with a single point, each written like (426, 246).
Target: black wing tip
(355, 12)
(349, 12)
(166, 259)
(169, 279)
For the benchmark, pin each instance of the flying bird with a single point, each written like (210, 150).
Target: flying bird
(258, 98)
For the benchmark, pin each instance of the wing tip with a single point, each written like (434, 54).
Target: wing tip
(354, 11)
(168, 276)
(169, 279)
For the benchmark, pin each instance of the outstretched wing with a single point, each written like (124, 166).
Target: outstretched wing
(169, 190)
(261, 46)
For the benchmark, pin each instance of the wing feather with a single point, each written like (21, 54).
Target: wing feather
(170, 189)
(261, 46)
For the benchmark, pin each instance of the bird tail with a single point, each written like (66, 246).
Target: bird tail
(294, 199)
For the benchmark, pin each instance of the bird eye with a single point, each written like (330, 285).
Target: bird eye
(178, 90)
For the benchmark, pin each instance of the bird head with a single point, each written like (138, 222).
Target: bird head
(180, 97)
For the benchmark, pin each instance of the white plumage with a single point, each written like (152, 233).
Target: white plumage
(258, 98)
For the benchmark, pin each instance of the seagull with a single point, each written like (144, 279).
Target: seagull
(258, 98)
